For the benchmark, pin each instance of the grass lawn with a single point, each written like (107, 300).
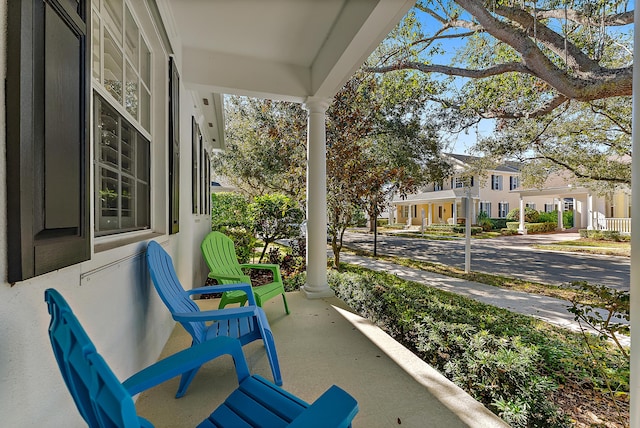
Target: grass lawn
(590, 246)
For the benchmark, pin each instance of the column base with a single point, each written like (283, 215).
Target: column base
(317, 293)
(522, 231)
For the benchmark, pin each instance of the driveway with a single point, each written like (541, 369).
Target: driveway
(508, 255)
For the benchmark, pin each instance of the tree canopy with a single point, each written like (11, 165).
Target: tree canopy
(555, 77)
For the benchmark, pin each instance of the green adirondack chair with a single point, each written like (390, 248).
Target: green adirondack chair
(220, 254)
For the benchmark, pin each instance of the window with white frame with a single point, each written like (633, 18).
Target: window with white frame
(530, 205)
(121, 71)
(514, 182)
(496, 182)
(458, 183)
(438, 186)
(485, 207)
(404, 211)
(503, 209)
(548, 208)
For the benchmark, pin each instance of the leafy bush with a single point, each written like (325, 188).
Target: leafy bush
(530, 215)
(230, 210)
(602, 235)
(275, 216)
(487, 351)
(243, 240)
(508, 232)
(462, 229)
(534, 227)
(498, 223)
(552, 217)
(484, 221)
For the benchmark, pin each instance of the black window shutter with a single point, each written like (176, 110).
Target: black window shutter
(174, 148)
(47, 131)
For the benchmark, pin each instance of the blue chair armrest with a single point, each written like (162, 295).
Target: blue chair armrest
(216, 314)
(188, 359)
(334, 408)
(251, 300)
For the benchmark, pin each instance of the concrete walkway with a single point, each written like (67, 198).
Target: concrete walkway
(549, 309)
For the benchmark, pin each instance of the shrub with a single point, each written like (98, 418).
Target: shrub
(462, 229)
(530, 215)
(230, 210)
(552, 217)
(601, 235)
(479, 349)
(508, 232)
(484, 221)
(533, 227)
(358, 218)
(243, 240)
(498, 223)
(275, 217)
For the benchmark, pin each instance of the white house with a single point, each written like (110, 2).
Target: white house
(111, 110)
(442, 203)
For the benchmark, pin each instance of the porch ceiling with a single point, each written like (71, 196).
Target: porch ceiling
(436, 196)
(278, 49)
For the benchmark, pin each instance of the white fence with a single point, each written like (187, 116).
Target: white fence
(622, 225)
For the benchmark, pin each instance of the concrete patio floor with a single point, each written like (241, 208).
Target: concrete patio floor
(319, 344)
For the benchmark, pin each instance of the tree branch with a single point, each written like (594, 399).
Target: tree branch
(613, 20)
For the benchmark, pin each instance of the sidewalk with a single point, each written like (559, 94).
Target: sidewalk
(548, 309)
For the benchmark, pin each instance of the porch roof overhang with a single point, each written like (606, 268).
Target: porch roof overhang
(553, 191)
(289, 50)
(449, 195)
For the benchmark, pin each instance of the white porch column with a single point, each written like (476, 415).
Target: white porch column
(429, 215)
(410, 219)
(589, 211)
(560, 210)
(316, 286)
(454, 212)
(521, 229)
(634, 388)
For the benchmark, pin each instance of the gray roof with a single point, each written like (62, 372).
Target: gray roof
(507, 166)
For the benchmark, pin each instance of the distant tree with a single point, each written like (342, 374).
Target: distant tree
(266, 150)
(275, 216)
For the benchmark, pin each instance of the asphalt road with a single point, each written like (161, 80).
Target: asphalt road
(509, 255)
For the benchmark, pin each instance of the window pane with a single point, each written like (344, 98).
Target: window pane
(142, 159)
(142, 205)
(131, 93)
(108, 200)
(131, 38)
(128, 203)
(95, 47)
(145, 108)
(108, 136)
(145, 63)
(113, 17)
(112, 67)
(126, 152)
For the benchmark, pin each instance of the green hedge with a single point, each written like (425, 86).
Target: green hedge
(462, 229)
(483, 349)
(603, 235)
(533, 227)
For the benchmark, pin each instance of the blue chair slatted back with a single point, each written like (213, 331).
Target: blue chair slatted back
(98, 394)
(166, 281)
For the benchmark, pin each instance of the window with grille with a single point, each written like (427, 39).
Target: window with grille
(503, 209)
(485, 207)
(122, 173)
(121, 72)
(496, 182)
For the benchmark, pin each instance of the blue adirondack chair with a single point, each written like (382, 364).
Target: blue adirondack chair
(246, 323)
(104, 401)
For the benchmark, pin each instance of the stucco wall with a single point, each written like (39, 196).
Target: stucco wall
(111, 294)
